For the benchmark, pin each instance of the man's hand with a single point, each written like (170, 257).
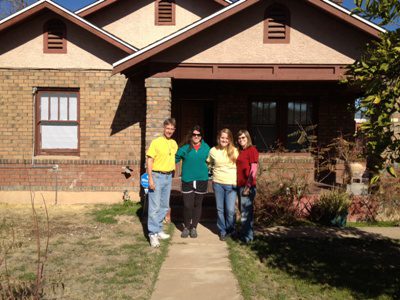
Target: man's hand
(152, 186)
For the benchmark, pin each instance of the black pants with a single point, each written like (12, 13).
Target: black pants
(192, 209)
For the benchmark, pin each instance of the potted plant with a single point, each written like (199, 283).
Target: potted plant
(331, 209)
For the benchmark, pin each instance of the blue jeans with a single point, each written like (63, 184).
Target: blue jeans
(158, 202)
(246, 214)
(225, 197)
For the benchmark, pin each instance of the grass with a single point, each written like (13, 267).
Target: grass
(107, 215)
(374, 224)
(283, 266)
(96, 251)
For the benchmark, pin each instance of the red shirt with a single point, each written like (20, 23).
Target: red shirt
(245, 159)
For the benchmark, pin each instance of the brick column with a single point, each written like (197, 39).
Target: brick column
(158, 106)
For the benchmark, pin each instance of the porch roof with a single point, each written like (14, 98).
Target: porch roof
(344, 15)
(41, 5)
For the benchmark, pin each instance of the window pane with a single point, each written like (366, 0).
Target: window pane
(53, 108)
(290, 112)
(73, 108)
(59, 136)
(297, 113)
(259, 112)
(254, 112)
(264, 137)
(63, 108)
(272, 112)
(44, 108)
(309, 113)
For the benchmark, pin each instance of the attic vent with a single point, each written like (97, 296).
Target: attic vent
(165, 12)
(276, 24)
(54, 39)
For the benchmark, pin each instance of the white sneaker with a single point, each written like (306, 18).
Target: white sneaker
(154, 241)
(162, 235)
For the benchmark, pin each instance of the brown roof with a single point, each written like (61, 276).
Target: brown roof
(193, 29)
(35, 8)
(96, 6)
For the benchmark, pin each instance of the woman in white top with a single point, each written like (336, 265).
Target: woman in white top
(222, 160)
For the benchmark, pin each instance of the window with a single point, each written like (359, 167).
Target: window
(273, 121)
(57, 122)
(165, 12)
(276, 25)
(55, 37)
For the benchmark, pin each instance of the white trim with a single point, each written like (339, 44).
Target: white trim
(234, 4)
(72, 15)
(348, 12)
(21, 11)
(101, 1)
(89, 6)
(177, 33)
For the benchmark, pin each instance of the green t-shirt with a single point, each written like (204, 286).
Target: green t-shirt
(194, 166)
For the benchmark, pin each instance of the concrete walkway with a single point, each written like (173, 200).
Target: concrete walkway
(197, 269)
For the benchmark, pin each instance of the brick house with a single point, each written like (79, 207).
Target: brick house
(82, 94)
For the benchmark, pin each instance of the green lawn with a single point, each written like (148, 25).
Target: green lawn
(277, 266)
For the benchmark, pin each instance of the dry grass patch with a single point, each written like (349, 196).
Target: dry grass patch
(95, 252)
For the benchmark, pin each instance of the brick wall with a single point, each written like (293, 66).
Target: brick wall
(158, 99)
(64, 175)
(112, 129)
(296, 166)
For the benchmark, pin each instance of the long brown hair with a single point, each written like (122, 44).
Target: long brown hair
(247, 134)
(230, 150)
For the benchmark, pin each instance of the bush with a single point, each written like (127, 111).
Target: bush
(388, 197)
(277, 201)
(331, 209)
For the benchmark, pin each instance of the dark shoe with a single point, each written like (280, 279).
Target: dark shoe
(185, 233)
(222, 237)
(244, 241)
(193, 233)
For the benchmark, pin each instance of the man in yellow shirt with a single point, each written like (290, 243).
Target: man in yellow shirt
(160, 168)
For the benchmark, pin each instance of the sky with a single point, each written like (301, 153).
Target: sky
(74, 5)
(77, 4)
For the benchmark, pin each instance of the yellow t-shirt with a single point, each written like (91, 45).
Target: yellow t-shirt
(163, 150)
(224, 170)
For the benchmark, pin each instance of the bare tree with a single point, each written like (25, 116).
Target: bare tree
(8, 7)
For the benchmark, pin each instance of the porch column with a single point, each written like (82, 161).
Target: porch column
(158, 106)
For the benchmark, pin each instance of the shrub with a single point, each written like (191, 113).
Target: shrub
(388, 197)
(331, 208)
(277, 202)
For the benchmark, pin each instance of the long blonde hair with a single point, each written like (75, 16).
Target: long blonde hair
(230, 149)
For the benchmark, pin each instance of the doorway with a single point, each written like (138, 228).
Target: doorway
(196, 112)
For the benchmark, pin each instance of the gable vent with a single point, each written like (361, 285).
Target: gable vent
(276, 25)
(55, 37)
(165, 12)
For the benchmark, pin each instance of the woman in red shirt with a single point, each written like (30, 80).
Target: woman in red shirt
(246, 164)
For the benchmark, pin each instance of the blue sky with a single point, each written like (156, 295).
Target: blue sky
(76, 4)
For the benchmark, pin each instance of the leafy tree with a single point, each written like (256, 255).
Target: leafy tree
(378, 74)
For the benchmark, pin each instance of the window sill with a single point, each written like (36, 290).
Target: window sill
(56, 157)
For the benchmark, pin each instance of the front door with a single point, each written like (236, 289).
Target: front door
(196, 112)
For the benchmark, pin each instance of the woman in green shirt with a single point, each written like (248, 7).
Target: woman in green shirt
(194, 179)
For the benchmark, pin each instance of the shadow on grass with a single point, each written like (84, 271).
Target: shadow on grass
(365, 264)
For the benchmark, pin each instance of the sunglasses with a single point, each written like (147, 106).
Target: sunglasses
(242, 138)
(196, 134)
